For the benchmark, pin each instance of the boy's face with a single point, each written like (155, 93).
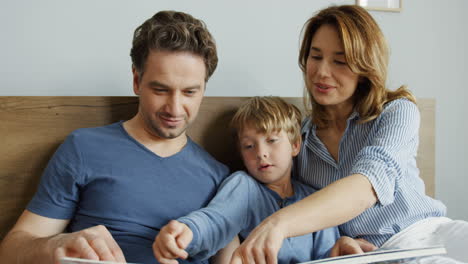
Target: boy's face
(268, 157)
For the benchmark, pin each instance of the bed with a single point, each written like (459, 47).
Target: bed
(32, 127)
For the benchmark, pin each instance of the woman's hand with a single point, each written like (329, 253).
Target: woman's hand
(346, 245)
(262, 245)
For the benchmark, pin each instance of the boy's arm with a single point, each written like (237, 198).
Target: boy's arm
(174, 237)
(171, 241)
(38, 239)
(212, 227)
(227, 214)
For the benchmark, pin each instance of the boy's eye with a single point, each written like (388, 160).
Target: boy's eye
(272, 140)
(248, 146)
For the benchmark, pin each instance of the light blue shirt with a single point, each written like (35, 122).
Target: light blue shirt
(239, 206)
(384, 150)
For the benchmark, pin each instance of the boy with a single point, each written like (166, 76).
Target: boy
(268, 131)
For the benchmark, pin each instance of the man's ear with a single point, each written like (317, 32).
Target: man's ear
(296, 147)
(136, 81)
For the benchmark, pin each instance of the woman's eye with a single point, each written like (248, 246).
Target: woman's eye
(340, 62)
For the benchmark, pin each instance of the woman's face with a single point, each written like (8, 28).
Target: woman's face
(328, 77)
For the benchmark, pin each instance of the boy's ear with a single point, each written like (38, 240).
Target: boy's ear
(296, 147)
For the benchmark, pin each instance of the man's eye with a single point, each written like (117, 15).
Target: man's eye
(160, 90)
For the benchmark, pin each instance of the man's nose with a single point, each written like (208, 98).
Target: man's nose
(174, 105)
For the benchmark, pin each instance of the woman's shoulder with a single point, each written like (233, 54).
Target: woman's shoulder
(306, 125)
(400, 104)
(400, 108)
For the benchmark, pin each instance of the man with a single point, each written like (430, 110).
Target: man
(107, 190)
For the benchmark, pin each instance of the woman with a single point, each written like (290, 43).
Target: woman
(360, 143)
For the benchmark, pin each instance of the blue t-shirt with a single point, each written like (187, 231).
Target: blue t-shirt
(102, 176)
(239, 206)
(384, 150)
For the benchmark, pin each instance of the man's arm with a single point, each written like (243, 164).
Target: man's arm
(38, 239)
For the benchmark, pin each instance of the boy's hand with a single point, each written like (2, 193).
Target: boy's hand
(171, 242)
(346, 245)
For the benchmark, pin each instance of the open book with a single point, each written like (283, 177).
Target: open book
(68, 260)
(382, 256)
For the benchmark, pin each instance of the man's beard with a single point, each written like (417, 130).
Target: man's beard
(166, 133)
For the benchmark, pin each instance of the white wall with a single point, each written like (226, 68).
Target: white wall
(82, 48)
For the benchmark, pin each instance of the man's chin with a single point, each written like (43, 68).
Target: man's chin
(165, 132)
(171, 136)
(171, 133)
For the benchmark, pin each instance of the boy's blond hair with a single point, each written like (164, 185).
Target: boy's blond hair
(267, 114)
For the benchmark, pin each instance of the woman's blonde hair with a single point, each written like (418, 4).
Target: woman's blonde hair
(267, 114)
(366, 53)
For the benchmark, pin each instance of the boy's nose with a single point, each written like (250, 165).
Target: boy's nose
(261, 153)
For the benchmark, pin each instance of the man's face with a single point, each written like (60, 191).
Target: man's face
(170, 90)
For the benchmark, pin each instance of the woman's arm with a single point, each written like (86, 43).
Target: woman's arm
(224, 255)
(342, 201)
(335, 204)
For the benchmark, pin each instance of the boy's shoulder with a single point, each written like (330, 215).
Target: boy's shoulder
(239, 177)
(302, 188)
(241, 180)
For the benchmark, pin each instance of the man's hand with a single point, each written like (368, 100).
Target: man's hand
(95, 243)
(39, 239)
(346, 246)
(171, 242)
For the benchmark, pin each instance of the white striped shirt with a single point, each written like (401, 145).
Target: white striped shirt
(384, 150)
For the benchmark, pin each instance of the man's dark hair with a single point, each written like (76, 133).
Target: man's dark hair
(173, 31)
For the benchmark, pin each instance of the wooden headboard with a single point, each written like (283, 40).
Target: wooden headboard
(32, 127)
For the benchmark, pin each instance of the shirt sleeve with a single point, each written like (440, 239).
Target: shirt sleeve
(223, 218)
(384, 159)
(58, 192)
